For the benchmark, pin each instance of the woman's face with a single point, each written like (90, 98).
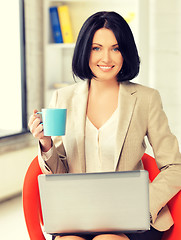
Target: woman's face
(105, 59)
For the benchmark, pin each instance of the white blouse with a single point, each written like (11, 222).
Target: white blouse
(100, 145)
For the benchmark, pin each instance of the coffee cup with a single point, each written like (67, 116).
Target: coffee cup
(54, 121)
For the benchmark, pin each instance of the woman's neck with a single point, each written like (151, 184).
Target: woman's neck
(102, 101)
(101, 86)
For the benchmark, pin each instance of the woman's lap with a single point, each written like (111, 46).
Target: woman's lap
(147, 235)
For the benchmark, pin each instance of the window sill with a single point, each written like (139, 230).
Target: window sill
(13, 143)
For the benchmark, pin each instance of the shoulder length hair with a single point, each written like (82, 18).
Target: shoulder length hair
(114, 22)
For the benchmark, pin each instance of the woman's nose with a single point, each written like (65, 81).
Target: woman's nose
(106, 56)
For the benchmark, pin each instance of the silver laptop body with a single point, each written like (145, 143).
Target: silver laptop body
(95, 202)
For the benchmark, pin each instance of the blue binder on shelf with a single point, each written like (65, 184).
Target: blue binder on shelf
(55, 24)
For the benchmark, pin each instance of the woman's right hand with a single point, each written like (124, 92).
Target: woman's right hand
(36, 128)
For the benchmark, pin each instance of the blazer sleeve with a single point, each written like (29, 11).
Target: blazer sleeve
(57, 161)
(167, 155)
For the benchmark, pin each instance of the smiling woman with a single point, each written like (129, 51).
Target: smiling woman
(12, 91)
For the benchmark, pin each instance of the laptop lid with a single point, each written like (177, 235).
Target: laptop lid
(95, 202)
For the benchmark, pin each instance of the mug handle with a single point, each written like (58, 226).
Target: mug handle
(39, 113)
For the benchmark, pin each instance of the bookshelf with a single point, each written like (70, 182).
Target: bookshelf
(58, 56)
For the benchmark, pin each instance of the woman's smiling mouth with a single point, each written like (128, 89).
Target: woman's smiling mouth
(105, 68)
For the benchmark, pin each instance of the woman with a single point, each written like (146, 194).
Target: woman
(108, 119)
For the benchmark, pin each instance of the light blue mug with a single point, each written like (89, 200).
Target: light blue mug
(54, 121)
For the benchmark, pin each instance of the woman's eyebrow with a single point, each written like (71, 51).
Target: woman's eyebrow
(114, 45)
(97, 44)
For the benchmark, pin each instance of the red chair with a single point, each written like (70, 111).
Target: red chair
(32, 207)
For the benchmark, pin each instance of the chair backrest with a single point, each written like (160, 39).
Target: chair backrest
(174, 204)
(31, 201)
(32, 206)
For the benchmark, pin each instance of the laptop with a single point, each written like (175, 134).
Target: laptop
(109, 202)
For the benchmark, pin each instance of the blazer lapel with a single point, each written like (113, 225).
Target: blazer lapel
(79, 108)
(126, 106)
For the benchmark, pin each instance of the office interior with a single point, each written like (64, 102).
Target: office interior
(157, 29)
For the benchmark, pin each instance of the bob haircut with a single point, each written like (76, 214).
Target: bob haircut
(114, 22)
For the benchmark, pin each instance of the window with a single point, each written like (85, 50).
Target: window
(12, 64)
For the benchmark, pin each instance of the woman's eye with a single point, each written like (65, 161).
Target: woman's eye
(116, 49)
(96, 48)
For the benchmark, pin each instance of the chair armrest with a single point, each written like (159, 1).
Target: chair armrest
(31, 201)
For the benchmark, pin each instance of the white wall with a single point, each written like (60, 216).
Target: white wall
(13, 168)
(165, 57)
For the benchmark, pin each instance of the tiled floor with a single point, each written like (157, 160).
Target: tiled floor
(12, 225)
